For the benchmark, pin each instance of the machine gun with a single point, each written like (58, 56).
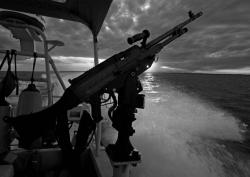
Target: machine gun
(119, 74)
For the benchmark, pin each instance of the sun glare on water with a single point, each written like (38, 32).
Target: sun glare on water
(152, 68)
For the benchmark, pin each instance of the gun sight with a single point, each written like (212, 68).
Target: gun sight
(140, 36)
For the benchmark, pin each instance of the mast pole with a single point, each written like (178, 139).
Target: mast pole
(96, 60)
(98, 125)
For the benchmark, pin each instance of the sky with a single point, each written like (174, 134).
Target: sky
(218, 42)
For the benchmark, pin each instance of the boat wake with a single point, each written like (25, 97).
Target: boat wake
(182, 136)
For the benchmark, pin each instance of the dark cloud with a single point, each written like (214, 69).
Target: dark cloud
(76, 37)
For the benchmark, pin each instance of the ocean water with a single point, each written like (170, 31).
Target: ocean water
(193, 125)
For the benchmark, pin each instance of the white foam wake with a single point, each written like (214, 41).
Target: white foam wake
(176, 135)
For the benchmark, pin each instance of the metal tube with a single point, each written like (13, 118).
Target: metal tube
(99, 124)
(96, 61)
(47, 67)
(57, 73)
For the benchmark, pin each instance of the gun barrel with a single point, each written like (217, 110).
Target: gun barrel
(173, 30)
(170, 39)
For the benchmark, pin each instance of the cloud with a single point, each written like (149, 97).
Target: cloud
(244, 70)
(220, 39)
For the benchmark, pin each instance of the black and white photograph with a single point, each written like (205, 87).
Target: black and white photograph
(124, 88)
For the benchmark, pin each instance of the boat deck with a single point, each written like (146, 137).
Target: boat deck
(101, 163)
(6, 170)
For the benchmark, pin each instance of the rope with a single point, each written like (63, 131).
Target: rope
(7, 55)
(9, 61)
(14, 53)
(8, 80)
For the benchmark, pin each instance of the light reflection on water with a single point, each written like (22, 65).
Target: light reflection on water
(149, 83)
(150, 86)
